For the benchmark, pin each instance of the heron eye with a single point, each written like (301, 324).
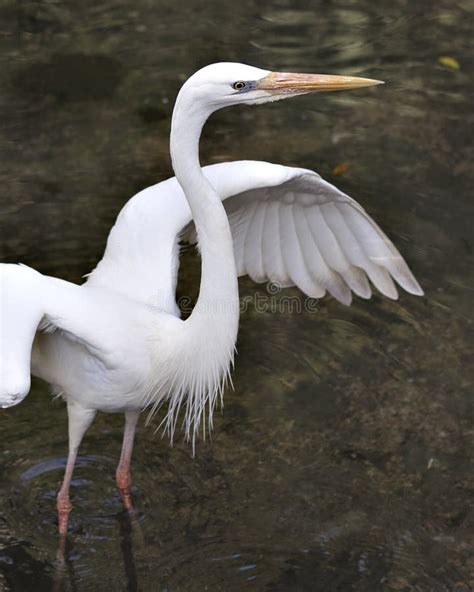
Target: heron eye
(239, 85)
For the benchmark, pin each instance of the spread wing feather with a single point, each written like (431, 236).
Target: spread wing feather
(289, 226)
(303, 231)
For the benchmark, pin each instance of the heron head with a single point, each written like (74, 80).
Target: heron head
(225, 83)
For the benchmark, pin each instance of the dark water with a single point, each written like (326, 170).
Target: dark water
(342, 461)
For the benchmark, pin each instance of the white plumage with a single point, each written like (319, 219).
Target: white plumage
(117, 344)
(301, 230)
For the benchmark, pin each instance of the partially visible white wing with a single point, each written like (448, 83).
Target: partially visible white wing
(305, 232)
(142, 255)
(289, 226)
(30, 301)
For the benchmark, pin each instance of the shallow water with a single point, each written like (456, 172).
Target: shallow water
(342, 459)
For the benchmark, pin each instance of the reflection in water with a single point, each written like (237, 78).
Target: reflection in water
(341, 459)
(65, 576)
(64, 568)
(127, 552)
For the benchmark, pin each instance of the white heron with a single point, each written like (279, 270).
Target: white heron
(117, 343)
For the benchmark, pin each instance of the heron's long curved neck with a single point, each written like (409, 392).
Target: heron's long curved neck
(218, 295)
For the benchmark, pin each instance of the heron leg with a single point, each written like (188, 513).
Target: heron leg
(123, 475)
(79, 420)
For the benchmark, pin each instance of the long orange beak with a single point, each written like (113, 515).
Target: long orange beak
(287, 82)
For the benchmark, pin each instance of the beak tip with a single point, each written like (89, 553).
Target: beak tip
(373, 82)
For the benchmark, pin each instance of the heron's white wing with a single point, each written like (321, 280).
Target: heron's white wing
(289, 226)
(30, 301)
(305, 232)
(142, 255)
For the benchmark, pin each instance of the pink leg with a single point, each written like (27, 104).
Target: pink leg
(122, 475)
(79, 420)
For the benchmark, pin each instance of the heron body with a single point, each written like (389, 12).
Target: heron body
(117, 342)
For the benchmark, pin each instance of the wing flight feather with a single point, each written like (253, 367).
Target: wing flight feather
(289, 226)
